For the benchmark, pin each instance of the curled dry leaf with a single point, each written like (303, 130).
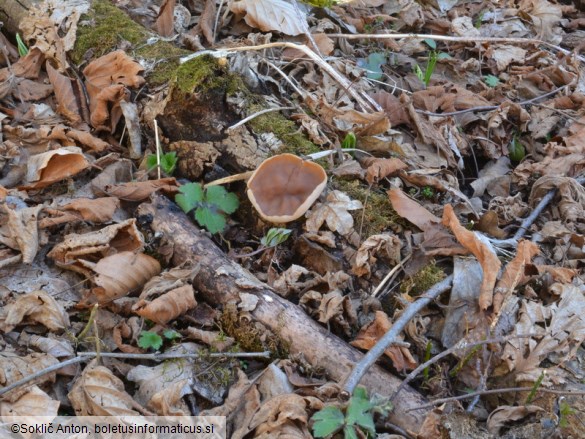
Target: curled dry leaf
(513, 274)
(508, 414)
(169, 401)
(67, 104)
(382, 168)
(370, 334)
(106, 79)
(337, 310)
(271, 15)
(486, 256)
(164, 24)
(412, 210)
(92, 246)
(216, 340)
(33, 403)
(22, 231)
(572, 194)
(49, 167)
(168, 306)
(56, 347)
(488, 223)
(334, 212)
(99, 210)
(141, 190)
(119, 274)
(98, 392)
(35, 307)
(386, 246)
(14, 368)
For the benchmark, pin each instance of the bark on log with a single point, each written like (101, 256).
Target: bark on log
(12, 11)
(221, 280)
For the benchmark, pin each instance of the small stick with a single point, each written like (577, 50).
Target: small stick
(494, 391)
(390, 337)
(85, 356)
(259, 113)
(157, 148)
(456, 39)
(390, 274)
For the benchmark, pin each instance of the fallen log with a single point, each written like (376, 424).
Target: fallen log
(220, 280)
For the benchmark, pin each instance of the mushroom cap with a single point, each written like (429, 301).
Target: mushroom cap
(283, 187)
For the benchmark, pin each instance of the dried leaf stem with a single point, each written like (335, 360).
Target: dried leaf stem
(85, 356)
(390, 337)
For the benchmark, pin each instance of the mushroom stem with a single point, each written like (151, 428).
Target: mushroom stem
(230, 179)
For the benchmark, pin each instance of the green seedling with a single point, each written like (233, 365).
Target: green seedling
(425, 76)
(275, 236)
(491, 80)
(426, 371)
(171, 335)
(349, 142)
(427, 192)
(535, 387)
(22, 49)
(516, 151)
(168, 162)
(150, 340)
(565, 410)
(373, 65)
(356, 420)
(210, 205)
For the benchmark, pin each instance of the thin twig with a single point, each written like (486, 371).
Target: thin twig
(84, 356)
(492, 392)
(460, 345)
(390, 274)
(390, 337)
(259, 113)
(158, 152)
(491, 107)
(456, 39)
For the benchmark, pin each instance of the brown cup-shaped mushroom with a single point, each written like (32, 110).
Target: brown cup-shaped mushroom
(283, 187)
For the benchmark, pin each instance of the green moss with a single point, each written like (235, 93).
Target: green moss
(428, 276)
(249, 336)
(379, 216)
(107, 25)
(285, 130)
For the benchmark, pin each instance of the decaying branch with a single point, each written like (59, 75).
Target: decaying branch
(221, 280)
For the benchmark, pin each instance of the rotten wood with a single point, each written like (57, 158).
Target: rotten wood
(220, 280)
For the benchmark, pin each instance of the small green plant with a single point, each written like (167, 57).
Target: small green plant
(565, 410)
(427, 192)
(22, 49)
(535, 387)
(479, 20)
(516, 151)
(357, 420)
(425, 76)
(426, 371)
(275, 236)
(168, 162)
(171, 335)
(150, 340)
(349, 142)
(210, 204)
(373, 65)
(491, 80)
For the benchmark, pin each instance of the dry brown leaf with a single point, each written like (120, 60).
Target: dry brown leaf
(22, 229)
(337, 310)
(412, 210)
(169, 401)
(386, 246)
(72, 136)
(490, 263)
(91, 246)
(67, 104)
(513, 274)
(33, 403)
(164, 24)
(29, 66)
(207, 20)
(119, 274)
(141, 190)
(31, 308)
(334, 212)
(99, 210)
(559, 330)
(504, 55)
(370, 334)
(168, 306)
(106, 79)
(52, 166)
(394, 109)
(14, 368)
(546, 18)
(572, 194)
(38, 27)
(98, 392)
(447, 98)
(488, 223)
(381, 168)
(216, 340)
(507, 415)
(271, 15)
